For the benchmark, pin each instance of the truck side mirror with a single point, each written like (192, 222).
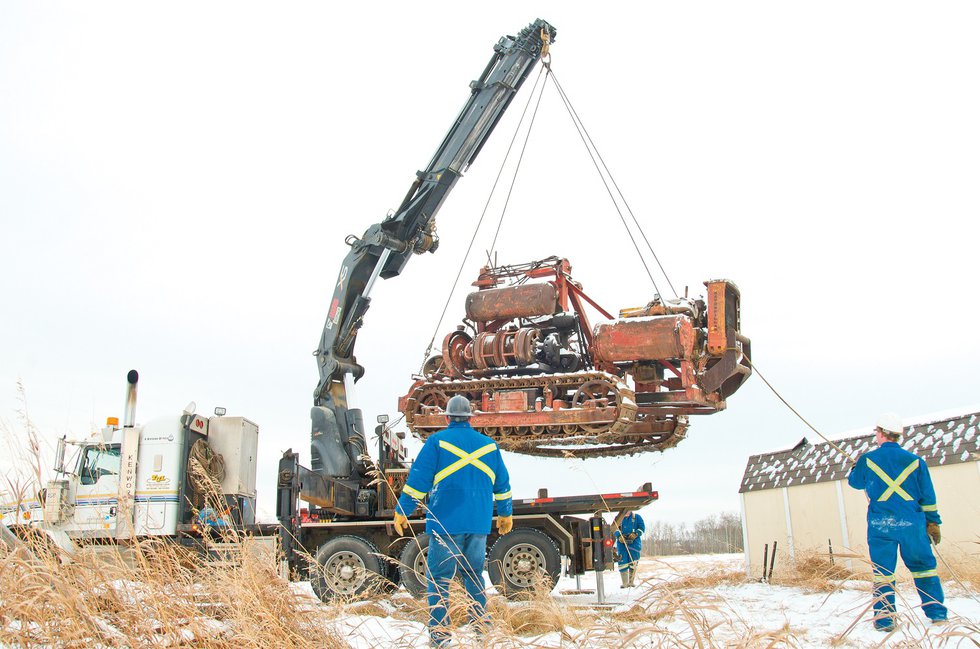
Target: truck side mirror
(59, 456)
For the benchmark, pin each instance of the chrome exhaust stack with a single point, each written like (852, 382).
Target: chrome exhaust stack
(129, 420)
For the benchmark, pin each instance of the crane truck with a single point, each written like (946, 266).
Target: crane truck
(334, 518)
(540, 379)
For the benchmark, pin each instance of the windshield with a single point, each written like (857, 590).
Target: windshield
(100, 461)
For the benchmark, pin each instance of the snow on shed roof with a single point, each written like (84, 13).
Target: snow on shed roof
(941, 442)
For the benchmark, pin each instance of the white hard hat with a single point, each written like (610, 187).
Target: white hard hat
(459, 406)
(890, 422)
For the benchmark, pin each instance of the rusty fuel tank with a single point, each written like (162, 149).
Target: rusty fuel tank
(522, 301)
(649, 338)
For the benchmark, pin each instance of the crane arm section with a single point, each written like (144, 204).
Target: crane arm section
(385, 247)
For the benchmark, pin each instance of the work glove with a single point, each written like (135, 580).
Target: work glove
(505, 524)
(400, 523)
(932, 529)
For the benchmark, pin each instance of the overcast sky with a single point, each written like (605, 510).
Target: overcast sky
(177, 179)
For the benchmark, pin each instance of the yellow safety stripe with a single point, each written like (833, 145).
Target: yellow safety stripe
(503, 496)
(925, 573)
(930, 508)
(414, 493)
(883, 579)
(894, 486)
(465, 459)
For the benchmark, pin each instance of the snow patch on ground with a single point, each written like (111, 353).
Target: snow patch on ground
(740, 610)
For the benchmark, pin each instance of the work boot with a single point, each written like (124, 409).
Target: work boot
(632, 578)
(480, 628)
(885, 625)
(624, 575)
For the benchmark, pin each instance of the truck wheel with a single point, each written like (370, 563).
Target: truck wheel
(347, 566)
(521, 559)
(412, 565)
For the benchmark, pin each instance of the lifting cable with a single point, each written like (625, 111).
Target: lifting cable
(597, 161)
(486, 206)
(594, 154)
(520, 158)
(935, 546)
(792, 409)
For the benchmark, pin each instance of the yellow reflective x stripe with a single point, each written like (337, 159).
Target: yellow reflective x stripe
(894, 486)
(464, 460)
(414, 493)
(503, 496)
(925, 573)
(930, 508)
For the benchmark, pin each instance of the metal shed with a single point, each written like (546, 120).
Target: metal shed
(799, 498)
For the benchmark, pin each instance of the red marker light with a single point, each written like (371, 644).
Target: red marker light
(607, 542)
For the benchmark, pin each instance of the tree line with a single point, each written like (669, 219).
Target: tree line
(718, 533)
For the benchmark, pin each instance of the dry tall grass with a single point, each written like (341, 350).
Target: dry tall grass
(161, 595)
(164, 596)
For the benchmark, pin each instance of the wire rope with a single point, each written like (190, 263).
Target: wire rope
(479, 223)
(594, 154)
(520, 159)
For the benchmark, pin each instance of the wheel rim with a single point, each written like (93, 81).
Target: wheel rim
(453, 353)
(420, 566)
(522, 564)
(344, 572)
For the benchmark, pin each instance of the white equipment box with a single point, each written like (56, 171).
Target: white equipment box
(237, 440)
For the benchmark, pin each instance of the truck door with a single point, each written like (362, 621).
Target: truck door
(97, 494)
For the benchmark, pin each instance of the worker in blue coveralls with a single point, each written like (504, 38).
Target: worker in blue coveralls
(463, 474)
(903, 516)
(629, 542)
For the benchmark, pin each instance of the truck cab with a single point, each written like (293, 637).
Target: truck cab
(168, 477)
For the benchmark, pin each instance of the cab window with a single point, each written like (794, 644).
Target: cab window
(99, 461)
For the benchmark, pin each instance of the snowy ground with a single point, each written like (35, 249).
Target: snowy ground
(736, 614)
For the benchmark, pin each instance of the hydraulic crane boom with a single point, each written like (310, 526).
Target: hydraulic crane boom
(384, 249)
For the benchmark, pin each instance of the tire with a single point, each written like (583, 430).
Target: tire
(391, 577)
(522, 559)
(414, 574)
(347, 566)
